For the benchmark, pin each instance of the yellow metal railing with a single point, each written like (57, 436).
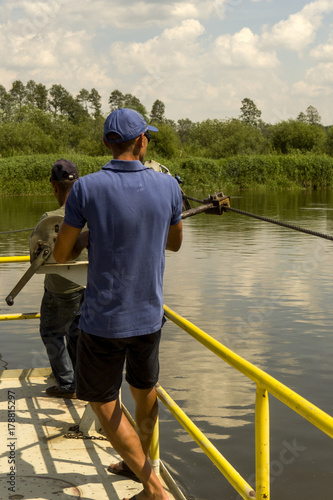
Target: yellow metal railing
(216, 457)
(17, 258)
(265, 384)
(8, 317)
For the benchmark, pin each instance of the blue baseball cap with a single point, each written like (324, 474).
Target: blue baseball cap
(127, 123)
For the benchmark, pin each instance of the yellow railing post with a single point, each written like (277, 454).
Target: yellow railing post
(155, 448)
(262, 444)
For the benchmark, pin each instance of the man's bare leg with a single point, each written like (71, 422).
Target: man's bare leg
(146, 412)
(126, 442)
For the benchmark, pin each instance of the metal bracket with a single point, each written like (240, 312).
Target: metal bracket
(219, 202)
(215, 204)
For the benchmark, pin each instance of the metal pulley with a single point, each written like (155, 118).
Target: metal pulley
(219, 203)
(41, 247)
(215, 204)
(45, 235)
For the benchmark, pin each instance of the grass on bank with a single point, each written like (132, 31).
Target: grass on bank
(29, 175)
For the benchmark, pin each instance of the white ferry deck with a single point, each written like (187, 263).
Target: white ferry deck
(37, 462)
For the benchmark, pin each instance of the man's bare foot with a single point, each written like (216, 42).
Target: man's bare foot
(121, 469)
(143, 496)
(136, 497)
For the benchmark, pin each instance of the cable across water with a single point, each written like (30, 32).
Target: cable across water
(267, 219)
(279, 223)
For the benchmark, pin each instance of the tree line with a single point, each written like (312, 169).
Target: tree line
(36, 120)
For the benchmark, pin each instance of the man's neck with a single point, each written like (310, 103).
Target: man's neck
(62, 200)
(126, 157)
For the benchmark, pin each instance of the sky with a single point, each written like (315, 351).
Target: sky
(200, 58)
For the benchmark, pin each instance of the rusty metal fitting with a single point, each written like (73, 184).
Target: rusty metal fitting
(219, 201)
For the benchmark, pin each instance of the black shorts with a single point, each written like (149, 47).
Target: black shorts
(100, 364)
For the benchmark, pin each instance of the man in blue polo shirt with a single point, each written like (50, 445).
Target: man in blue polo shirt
(133, 215)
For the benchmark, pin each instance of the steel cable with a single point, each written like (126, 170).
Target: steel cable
(272, 221)
(284, 224)
(17, 230)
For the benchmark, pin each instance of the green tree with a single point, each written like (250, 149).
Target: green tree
(73, 109)
(95, 102)
(130, 101)
(157, 111)
(166, 143)
(239, 138)
(5, 104)
(30, 92)
(218, 139)
(294, 135)
(302, 117)
(18, 94)
(184, 127)
(41, 97)
(58, 98)
(36, 95)
(250, 113)
(171, 123)
(205, 133)
(116, 100)
(24, 138)
(83, 98)
(41, 119)
(90, 138)
(312, 116)
(329, 140)
(63, 103)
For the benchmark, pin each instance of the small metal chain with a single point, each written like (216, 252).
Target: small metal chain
(77, 434)
(5, 364)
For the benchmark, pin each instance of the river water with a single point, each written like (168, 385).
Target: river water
(262, 290)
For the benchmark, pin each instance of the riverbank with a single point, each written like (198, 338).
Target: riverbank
(29, 175)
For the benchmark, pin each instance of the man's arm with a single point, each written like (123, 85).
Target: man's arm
(69, 243)
(175, 237)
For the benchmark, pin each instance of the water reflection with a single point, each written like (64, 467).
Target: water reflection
(263, 291)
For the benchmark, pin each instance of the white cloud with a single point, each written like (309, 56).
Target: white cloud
(299, 30)
(131, 14)
(182, 52)
(323, 52)
(49, 49)
(243, 49)
(306, 90)
(322, 74)
(188, 10)
(188, 32)
(317, 85)
(175, 48)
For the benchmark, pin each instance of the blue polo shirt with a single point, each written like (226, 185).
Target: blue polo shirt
(128, 209)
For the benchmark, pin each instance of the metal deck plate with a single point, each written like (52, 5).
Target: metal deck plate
(36, 461)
